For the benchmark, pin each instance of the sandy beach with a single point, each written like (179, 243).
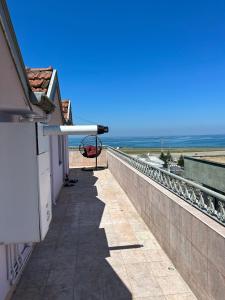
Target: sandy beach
(176, 152)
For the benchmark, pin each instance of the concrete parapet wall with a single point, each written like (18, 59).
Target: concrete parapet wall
(76, 160)
(194, 242)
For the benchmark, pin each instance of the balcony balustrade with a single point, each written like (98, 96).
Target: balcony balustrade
(204, 199)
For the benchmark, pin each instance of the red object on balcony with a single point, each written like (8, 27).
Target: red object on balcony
(90, 151)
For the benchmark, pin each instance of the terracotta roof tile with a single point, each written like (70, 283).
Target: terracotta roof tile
(39, 78)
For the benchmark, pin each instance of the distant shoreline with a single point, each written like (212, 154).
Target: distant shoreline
(135, 150)
(173, 143)
(157, 150)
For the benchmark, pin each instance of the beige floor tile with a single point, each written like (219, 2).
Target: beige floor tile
(181, 297)
(122, 274)
(123, 228)
(112, 240)
(149, 244)
(132, 256)
(138, 270)
(138, 226)
(115, 258)
(131, 214)
(110, 258)
(155, 255)
(162, 268)
(124, 232)
(143, 283)
(151, 298)
(118, 219)
(113, 243)
(173, 285)
(144, 235)
(108, 229)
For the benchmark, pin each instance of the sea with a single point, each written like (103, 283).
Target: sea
(186, 141)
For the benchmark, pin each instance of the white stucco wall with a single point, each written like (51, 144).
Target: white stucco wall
(66, 155)
(56, 117)
(56, 168)
(12, 96)
(58, 171)
(4, 284)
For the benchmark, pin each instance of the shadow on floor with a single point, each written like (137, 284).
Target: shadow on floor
(71, 262)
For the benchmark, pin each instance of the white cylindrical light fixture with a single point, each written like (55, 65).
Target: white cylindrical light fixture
(74, 130)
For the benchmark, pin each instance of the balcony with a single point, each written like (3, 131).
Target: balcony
(117, 234)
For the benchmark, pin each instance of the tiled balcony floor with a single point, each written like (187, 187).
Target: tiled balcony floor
(99, 248)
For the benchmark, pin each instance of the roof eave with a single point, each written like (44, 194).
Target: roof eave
(8, 30)
(52, 85)
(69, 113)
(43, 101)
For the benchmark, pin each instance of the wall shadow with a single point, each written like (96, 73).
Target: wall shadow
(71, 262)
(94, 278)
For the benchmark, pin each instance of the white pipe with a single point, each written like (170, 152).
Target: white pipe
(74, 130)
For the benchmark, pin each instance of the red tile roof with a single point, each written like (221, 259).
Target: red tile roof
(39, 78)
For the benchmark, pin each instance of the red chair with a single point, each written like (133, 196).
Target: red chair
(90, 151)
(91, 147)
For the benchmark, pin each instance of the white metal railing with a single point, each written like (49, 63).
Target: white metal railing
(204, 199)
(17, 256)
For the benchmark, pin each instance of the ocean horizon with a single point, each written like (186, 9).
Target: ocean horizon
(176, 141)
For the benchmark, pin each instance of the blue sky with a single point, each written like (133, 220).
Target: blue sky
(142, 67)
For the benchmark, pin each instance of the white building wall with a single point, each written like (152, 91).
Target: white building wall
(4, 283)
(56, 168)
(66, 155)
(12, 96)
